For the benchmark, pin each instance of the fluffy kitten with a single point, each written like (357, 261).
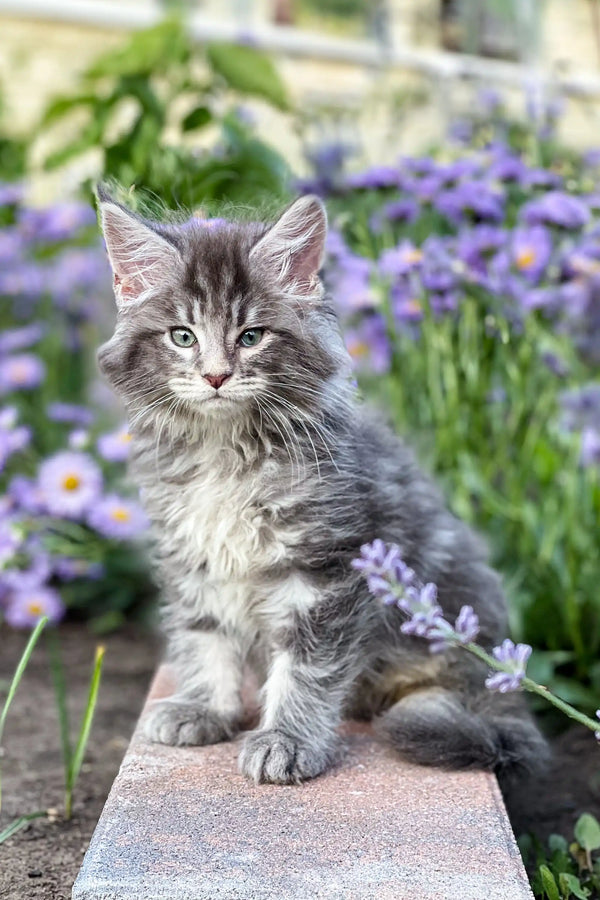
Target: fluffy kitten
(263, 475)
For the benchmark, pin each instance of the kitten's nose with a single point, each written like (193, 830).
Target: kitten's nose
(217, 380)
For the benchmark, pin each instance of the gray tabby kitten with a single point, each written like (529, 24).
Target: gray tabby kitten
(263, 475)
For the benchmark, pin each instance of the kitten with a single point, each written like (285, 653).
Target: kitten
(263, 475)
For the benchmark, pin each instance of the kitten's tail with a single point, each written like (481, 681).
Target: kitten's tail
(437, 727)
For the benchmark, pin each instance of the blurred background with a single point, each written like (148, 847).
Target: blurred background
(456, 145)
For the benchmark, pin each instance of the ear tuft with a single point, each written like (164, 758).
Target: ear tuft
(293, 248)
(140, 258)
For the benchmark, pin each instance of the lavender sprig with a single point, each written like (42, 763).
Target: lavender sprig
(393, 582)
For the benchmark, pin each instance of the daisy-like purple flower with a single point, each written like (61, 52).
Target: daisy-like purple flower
(514, 657)
(70, 482)
(400, 260)
(26, 608)
(471, 200)
(556, 208)
(116, 517)
(55, 223)
(115, 447)
(26, 495)
(10, 540)
(21, 372)
(375, 177)
(70, 412)
(12, 339)
(531, 250)
(368, 345)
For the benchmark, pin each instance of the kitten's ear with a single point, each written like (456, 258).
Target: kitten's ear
(140, 258)
(294, 247)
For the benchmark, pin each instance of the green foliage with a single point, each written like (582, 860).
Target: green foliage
(563, 871)
(158, 83)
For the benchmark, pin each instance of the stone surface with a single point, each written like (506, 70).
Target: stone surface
(182, 824)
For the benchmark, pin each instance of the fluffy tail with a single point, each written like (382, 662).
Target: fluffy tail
(437, 727)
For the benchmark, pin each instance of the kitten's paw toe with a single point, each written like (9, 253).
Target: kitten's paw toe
(180, 723)
(273, 757)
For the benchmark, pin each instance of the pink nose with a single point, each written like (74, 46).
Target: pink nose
(217, 380)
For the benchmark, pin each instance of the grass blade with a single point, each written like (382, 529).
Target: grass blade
(60, 691)
(26, 656)
(33, 639)
(19, 823)
(84, 732)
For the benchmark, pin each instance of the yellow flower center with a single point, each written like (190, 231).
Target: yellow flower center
(525, 258)
(71, 482)
(19, 373)
(358, 349)
(35, 609)
(413, 306)
(125, 438)
(120, 514)
(413, 256)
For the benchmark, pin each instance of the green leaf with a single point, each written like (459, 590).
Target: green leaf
(61, 106)
(549, 883)
(587, 832)
(197, 118)
(84, 731)
(570, 884)
(150, 51)
(557, 843)
(248, 71)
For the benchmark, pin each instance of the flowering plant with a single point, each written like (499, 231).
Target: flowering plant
(65, 521)
(468, 284)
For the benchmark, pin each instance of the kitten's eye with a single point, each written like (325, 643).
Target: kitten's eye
(183, 337)
(252, 337)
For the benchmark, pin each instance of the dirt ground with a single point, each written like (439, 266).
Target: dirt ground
(41, 862)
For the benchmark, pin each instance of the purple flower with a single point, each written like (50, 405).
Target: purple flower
(531, 250)
(70, 483)
(26, 494)
(404, 210)
(21, 372)
(368, 345)
(36, 574)
(70, 412)
(471, 199)
(466, 627)
(556, 208)
(115, 517)
(68, 569)
(400, 260)
(55, 223)
(26, 608)
(376, 177)
(21, 338)
(514, 658)
(115, 447)
(590, 447)
(11, 194)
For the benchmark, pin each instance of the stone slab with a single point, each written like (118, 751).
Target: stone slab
(183, 824)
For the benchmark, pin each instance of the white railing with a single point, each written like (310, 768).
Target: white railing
(291, 41)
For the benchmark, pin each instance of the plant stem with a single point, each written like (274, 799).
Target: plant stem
(529, 685)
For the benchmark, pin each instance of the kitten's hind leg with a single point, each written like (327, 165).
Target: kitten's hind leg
(207, 707)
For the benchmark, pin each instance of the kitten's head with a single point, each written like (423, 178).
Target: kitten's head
(220, 321)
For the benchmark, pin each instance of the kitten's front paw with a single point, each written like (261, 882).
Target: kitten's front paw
(180, 723)
(273, 757)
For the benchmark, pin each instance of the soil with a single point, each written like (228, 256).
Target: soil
(42, 861)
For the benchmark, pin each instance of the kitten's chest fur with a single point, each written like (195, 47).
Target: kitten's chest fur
(222, 516)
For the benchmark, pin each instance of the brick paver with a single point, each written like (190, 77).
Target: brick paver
(183, 824)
